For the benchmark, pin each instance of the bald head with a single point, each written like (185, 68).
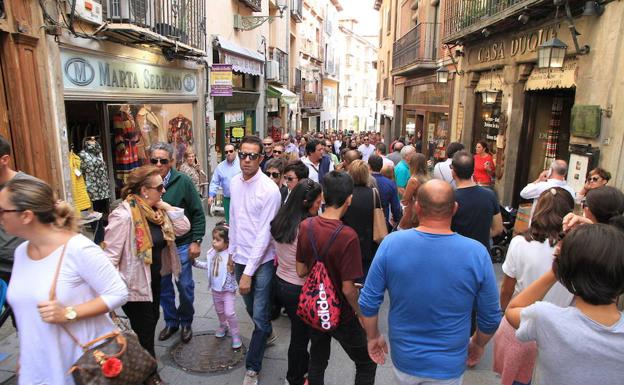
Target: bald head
(436, 200)
(350, 156)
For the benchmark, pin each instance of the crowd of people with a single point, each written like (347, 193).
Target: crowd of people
(311, 200)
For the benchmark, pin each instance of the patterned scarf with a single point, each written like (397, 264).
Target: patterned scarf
(141, 213)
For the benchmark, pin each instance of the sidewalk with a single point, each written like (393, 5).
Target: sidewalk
(340, 370)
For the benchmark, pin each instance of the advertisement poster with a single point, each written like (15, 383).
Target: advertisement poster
(221, 80)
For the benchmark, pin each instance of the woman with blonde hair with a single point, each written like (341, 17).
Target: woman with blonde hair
(192, 168)
(359, 215)
(418, 177)
(86, 285)
(140, 241)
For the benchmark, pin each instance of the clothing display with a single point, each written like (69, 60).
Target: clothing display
(79, 186)
(151, 128)
(94, 170)
(180, 135)
(126, 148)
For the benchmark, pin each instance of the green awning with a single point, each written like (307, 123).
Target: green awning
(282, 93)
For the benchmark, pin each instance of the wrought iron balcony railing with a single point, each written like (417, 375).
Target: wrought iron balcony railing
(282, 58)
(182, 21)
(312, 100)
(255, 5)
(417, 47)
(466, 17)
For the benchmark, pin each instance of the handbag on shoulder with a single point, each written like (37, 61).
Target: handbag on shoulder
(380, 229)
(119, 359)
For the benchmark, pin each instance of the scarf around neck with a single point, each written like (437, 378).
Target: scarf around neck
(142, 213)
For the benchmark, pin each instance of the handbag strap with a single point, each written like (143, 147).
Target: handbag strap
(376, 199)
(317, 256)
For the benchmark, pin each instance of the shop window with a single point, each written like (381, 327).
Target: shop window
(487, 123)
(244, 82)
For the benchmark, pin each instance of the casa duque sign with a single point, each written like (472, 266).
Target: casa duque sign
(91, 73)
(514, 46)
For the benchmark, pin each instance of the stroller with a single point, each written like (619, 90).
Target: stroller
(501, 241)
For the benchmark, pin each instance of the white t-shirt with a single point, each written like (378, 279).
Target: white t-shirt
(527, 261)
(47, 352)
(366, 151)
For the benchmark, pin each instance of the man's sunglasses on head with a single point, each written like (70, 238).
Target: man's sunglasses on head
(161, 161)
(249, 155)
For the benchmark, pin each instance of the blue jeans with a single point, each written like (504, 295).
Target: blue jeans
(258, 305)
(182, 315)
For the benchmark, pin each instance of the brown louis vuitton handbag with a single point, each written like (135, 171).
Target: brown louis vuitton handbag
(119, 359)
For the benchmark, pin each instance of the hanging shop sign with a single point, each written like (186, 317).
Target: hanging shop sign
(86, 73)
(221, 80)
(550, 78)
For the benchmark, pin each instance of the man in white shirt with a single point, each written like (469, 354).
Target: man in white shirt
(255, 199)
(555, 176)
(318, 163)
(380, 149)
(442, 170)
(366, 148)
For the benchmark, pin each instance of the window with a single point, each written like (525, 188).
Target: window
(388, 19)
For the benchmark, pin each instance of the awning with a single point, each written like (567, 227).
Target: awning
(284, 94)
(490, 81)
(242, 59)
(545, 78)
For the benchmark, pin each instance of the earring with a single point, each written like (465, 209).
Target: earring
(145, 196)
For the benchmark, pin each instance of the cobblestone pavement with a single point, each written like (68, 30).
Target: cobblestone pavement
(340, 370)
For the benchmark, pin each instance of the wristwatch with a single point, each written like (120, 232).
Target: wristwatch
(70, 313)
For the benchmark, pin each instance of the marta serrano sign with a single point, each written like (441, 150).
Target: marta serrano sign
(93, 73)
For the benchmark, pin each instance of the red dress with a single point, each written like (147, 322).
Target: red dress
(483, 166)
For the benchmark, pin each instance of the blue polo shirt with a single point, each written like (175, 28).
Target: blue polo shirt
(433, 282)
(401, 174)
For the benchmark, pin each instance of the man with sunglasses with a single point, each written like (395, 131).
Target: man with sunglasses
(255, 201)
(267, 143)
(366, 148)
(179, 192)
(223, 174)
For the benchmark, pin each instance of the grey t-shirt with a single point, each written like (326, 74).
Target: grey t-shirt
(9, 243)
(572, 348)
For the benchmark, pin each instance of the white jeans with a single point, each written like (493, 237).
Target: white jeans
(407, 379)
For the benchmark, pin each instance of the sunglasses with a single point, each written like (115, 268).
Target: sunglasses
(277, 152)
(290, 178)
(268, 144)
(161, 161)
(2, 211)
(594, 179)
(273, 175)
(229, 151)
(249, 155)
(158, 188)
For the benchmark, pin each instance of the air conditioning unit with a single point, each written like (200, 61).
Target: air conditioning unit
(87, 10)
(139, 12)
(272, 70)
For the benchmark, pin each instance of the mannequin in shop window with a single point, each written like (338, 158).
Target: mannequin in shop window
(79, 187)
(126, 148)
(151, 128)
(180, 135)
(95, 173)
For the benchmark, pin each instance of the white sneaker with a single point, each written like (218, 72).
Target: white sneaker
(251, 378)
(271, 339)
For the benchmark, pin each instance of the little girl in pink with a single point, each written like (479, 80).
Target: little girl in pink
(222, 282)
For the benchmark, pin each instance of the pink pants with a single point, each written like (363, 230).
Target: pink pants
(224, 302)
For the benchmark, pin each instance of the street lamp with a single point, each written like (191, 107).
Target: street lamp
(489, 96)
(247, 23)
(551, 54)
(442, 74)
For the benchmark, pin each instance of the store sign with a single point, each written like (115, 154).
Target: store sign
(518, 45)
(234, 117)
(244, 65)
(221, 80)
(91, 73)
(491, 124)
(549, 78)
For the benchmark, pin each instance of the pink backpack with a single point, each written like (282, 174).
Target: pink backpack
(319, 303)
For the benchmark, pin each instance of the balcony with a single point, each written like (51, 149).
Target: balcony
(465, 19)
(312, 49)
(312, 100)
(178, 28)
(416, 51)
(282, 58)
(255, 5)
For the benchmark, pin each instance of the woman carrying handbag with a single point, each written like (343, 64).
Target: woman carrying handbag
(87, 286)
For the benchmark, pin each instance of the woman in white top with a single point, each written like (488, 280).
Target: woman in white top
(304, 201)
(529, 256)
(88, 285)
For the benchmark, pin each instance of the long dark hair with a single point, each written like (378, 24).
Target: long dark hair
(607, 205)
(546, 223)
(285, 225)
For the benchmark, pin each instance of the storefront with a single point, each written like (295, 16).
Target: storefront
(280, 103)
(528, 117)
(127, 103)
(426, 115)
(244, 107)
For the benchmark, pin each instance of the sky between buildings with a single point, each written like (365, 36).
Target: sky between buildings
(363, 11)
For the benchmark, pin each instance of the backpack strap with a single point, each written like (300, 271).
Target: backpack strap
(317, 256)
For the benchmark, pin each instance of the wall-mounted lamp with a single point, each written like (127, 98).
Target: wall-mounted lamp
(551, 53)
(450, 55)
(247, 23)
(442, 74)
(593, 8)
(489, 96)
(524, 17)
